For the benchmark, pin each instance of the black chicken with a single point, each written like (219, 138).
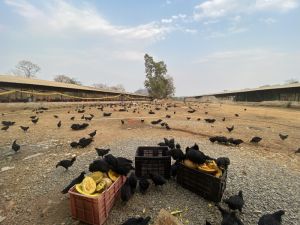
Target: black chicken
(271, 219)
(256, 140)
(174, 168)
(99, 165)
(107, 114)
(77, 126)
(137, 221)
(24, 128)
(168, 116)
(77, 180)
(155, 122)
(283, 137)
(72, 118)
(66, 163)
(5, 128)
(195, 156)
(192, 111)
(223, 119)
(176, 154)
(93, 133)
(84, 142)
(297, 151)
(126, 192)
(122, 122)
(55, 116)
(235, 202)
(143, 185)
(210, 120)
(235, 142)
(102, 152)
(59, 124)
(8, 123)
(74, 144)
(15, 146)
(34, 121)
(142, 120)
(223, 162)
(157, 179)
(229, 218)
(237, 115)
(230, 128)
(132, 179)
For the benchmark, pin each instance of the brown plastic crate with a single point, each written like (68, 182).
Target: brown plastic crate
(203, 184)
(94, 210)
(152, 159)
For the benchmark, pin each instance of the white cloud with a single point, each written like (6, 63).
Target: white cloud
(237, 55)
(62, 16)
(276, 5)
(211, 9)
(129, 55)
(268, 20)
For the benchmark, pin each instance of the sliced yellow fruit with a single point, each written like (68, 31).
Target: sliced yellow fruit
(108, 182)
(101, 186)
(206, 169)
(78, 188)
(88, 185)
(188, 163)
(97, 176)
(219, 173)
(113, 175)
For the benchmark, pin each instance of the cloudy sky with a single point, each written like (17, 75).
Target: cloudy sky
(208, 45)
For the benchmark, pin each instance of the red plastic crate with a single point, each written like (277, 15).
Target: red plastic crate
(94, 210)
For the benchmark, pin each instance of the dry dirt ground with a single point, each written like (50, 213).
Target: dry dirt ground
(30, 189)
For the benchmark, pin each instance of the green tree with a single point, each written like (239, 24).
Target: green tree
(158, 83)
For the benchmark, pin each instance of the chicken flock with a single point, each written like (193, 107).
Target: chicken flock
(123, 166)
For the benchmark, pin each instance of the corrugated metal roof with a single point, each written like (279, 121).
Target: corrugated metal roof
(271, 87)
(24, 80)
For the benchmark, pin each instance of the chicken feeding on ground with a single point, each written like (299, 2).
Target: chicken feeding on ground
(137, 221)
(8, 123)
(93, 133)
(122, 122)
(72, 118)
(55, 116)
(77, 180)
(77, 126)
(142, 120)
(219, 139)
(102, 152)
(66, 163)
(297, 151)
(210, 120)
(237, 115)
(256, 139)
(271, 219)
(143, 184)
(15, 146)
(105, 114)
(236, 201)
(188, 118)
(59, 124)
(126, 192)
(235, 142)
(157, 179)
(155, 122)
(34, 121)
(24, 128)
(223, 119)
(283, 137)
(84, 142)
(229, 218)
(5, 128)
(230, 128)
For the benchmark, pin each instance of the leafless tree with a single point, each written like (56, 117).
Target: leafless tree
(66, 79)
(27, 68)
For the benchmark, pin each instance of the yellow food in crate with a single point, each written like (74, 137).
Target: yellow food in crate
(108, 182)
(78, 188)
(88, 185)
(188, 163)
(97, 176)
(113, 175)
(101, 186)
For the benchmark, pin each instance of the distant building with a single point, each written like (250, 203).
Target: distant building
(288, 92)
(20, 89)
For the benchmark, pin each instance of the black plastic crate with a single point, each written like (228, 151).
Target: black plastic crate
(152, 159)
(203, 184)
